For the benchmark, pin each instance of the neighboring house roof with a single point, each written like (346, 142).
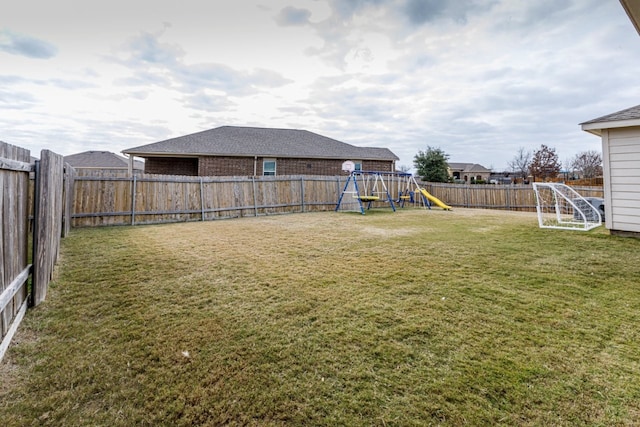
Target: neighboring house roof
(263, 142)
(100, 160)
(468, 168)
(623, 118)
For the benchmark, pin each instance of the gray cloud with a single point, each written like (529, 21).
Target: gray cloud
(223, 78)
(542, 14)
(68, 84)
(347, 8)
(421, 11)
(293, 16)
(206, 102)
(159, 64)
(16, 100)
(146, 48)
(144, 77)
(31, 47)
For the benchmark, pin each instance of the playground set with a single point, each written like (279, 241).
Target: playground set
(364, 188)
(558, 205)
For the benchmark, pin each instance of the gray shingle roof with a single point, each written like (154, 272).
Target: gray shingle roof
(100, 159)
(632, 113)
(468, 167)
(263, 142)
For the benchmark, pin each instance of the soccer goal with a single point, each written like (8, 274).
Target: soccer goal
(560, 206)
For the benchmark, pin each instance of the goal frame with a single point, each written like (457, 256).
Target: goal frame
(561, 207)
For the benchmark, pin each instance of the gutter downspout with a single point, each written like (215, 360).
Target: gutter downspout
(255, 165)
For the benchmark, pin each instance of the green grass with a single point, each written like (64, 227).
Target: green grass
(408, 318)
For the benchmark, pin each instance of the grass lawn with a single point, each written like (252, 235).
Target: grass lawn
(411, 318)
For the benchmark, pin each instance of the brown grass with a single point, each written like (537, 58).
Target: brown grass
(408, 318)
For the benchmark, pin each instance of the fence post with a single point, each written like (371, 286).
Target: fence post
(202, 198)
(255, 196)
(36, 225)
(302, 193)
(69, 177)
(133, 200)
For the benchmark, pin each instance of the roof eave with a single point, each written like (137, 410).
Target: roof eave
(597, 127)
(633, 12)
(191, 155)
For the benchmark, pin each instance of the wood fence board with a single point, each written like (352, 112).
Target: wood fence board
(6, 314)
(14, 210)
(49, 219)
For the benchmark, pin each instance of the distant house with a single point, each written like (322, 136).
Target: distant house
(251, 151)
(101, 161)
(469, 172)
(620, 134)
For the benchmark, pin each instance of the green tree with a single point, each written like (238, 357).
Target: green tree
(431, 165)
(545, 163)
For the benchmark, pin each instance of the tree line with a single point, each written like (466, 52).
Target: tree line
(539, 165)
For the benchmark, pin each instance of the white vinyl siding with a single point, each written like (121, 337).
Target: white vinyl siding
(621, 155)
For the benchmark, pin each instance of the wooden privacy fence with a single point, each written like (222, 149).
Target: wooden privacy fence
(489, 196)
(100, 200)
(17, 204)
(15, 166)
(119, 200)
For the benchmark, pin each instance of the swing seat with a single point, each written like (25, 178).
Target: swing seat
(368, 198)
(405, 197)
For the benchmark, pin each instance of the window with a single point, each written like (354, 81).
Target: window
(269, 167)
(358, 165)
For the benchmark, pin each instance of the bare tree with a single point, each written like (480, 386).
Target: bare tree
(521, 162)
(567, 169)
(588, 164)
(545, 163)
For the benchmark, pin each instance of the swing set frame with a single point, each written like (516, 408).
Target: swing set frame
(366, 192)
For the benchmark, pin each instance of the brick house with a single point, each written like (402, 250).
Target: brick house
(251, 151)
(469, 172)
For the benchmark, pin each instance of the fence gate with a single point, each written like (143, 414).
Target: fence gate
(15, 209)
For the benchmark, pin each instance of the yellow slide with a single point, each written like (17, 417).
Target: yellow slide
(435, 200)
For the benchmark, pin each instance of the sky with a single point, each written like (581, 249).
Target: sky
(478, 79)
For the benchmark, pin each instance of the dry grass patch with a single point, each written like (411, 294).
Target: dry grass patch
(407, 318)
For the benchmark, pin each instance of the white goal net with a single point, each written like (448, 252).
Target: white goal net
(560, 206)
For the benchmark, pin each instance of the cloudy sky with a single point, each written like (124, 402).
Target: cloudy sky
(477, 78)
